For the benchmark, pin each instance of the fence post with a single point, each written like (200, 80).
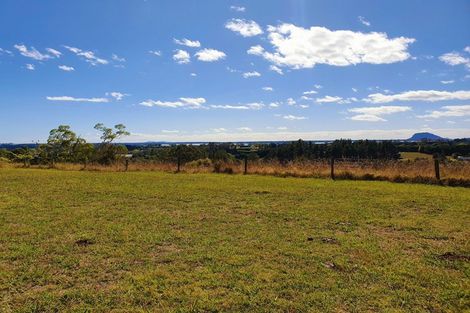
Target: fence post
(179, 161)
(246, 165)
(127, 164)
(436, 168)
(332, 169)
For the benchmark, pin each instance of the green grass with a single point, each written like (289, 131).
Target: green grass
(161, 242)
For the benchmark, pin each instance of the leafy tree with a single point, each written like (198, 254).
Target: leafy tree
(63, 145)
(108, 152)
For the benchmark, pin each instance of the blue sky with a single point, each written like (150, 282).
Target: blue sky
(235, 70)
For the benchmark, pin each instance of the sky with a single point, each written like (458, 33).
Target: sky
(218, 70)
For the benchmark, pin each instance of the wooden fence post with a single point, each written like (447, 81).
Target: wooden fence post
(332, 169)
(436, 168)
(246, 165)
(179, 161)
(127, 164)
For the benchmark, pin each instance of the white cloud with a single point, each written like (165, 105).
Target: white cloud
(419, 95)
(446, 82)
(298, 47)
(193, 74)
(354, 89)
(293, 117)
(188, 43)
(210, 55)
(251, 74)
(89, 56)
(318, 86)
(374, 114)
(166, 131)
(54, 52)
(66, 68)
(455, 58)
(310, 92)
(245, 28)
(30, 67)
(448, 111)
(329, 99)
(467, 49)
(282, 128)
(276, 69)
(237, 8)
(117, 95)
(219, 130)
(274, 104)
(158, 53)
(306, 98)
(72, 99)
(116, 58)
(290, 101)
(248, 106)
(5, 51)
(367, 118)
(181, 57)
(191, 103)
(245, 129)
(363, 21)
(32, 53)
(268, 88)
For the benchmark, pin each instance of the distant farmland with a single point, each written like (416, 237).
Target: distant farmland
(153, 241)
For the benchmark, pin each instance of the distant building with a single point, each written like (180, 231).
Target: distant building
(463, 158)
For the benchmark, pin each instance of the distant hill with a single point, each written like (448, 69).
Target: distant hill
(425, 136)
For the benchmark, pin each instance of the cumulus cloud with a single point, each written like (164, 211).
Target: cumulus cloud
(328, 99)
(298, 47)
(117, 95)
(237, 8)
(72, 99)
(88, 56)
(310, 92)
(210, 55)
(66, 68)
(188, 43)
(54, 52)
(293, 117)
(191, 103)
(363, 21)
(181, 57)
(248, 106)
(419, 95)
(446, 82)
(455, 58)
(268, 88)
(448, 111)
(30, 67)
(290, 101)
(246, 28)
(374, 114)
(251, 74)
(33, 53)
(276, 69)
(219, 130)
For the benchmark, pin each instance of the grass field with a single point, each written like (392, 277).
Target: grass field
(74, 241)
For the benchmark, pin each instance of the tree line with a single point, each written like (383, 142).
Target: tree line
(64, 146)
